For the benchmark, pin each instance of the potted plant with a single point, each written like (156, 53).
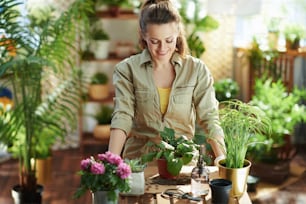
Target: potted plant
(172, 153)
(87, 54)
(293, 34)
(100, 42)
(240, 122)
(103, 118)
(137, 178)
(273, 32)
(113, 5)
(43, 151)
(44, 155)
(38, 64)
(98, 88)
(226, 89)
(104, 176)
(195, 24)
(285, 113)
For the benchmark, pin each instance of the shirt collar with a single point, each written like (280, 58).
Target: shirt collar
(146, 58)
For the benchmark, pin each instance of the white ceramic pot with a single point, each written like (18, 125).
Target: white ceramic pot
(100, 48)
(137, 184)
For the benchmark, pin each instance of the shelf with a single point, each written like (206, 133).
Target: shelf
(115, 55)
(112, 57)
(89, 139)
(124, 15)
(108, 100)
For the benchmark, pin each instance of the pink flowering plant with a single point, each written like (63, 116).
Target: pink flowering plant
(107, 172)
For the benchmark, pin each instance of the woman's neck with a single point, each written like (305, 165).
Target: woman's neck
(164, 75)
(158, 65)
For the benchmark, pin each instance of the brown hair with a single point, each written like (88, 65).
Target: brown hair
(161, 12)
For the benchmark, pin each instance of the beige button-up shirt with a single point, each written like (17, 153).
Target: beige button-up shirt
(137, 107)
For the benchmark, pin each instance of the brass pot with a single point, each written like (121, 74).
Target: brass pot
(44, 170)
(238, 176)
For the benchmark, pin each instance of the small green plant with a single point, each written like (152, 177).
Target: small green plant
(226, 89)
(104, 115)
(136, 165)
(99, 78)
(99, 34)
(263, 62)
(294, 31)
(113, 2)
(177, 150)
(87, 55)
(240, 122)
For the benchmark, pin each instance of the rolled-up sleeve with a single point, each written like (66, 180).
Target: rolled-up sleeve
(124, 97)
(206, 104)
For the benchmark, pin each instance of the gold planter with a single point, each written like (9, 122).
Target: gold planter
(44, 170)
(237, 176)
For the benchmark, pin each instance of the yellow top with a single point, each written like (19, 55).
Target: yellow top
(164, 94)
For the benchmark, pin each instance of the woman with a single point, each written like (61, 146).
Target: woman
(161, 87)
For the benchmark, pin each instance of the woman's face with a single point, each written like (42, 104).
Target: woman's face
(161, 40)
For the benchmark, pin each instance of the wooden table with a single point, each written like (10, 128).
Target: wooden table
(154, 191)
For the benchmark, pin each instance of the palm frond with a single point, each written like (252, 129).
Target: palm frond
(44, 53)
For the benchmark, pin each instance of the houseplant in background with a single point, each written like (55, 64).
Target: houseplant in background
(113, 6)
(41, 75)
(98, 87)
(104, 176)
(44, 156)
(293, 34)
(43, 151)
(172, 152)
(274, 150)
(240, 122)
(137, 178)
(195, 24)
(103, 118)
(226, 89)
(100, 41)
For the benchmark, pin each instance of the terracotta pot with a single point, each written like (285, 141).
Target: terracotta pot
(98, 91)
(293, 45)
(102, 132)
(114, 10)
(100, 48)
(162, 169)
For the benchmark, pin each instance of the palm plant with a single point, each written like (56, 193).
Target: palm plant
(42, 74)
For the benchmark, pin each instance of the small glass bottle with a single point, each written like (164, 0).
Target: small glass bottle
(200, 176)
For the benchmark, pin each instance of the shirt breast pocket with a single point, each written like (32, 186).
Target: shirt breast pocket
(144, 104)
(182, 103)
